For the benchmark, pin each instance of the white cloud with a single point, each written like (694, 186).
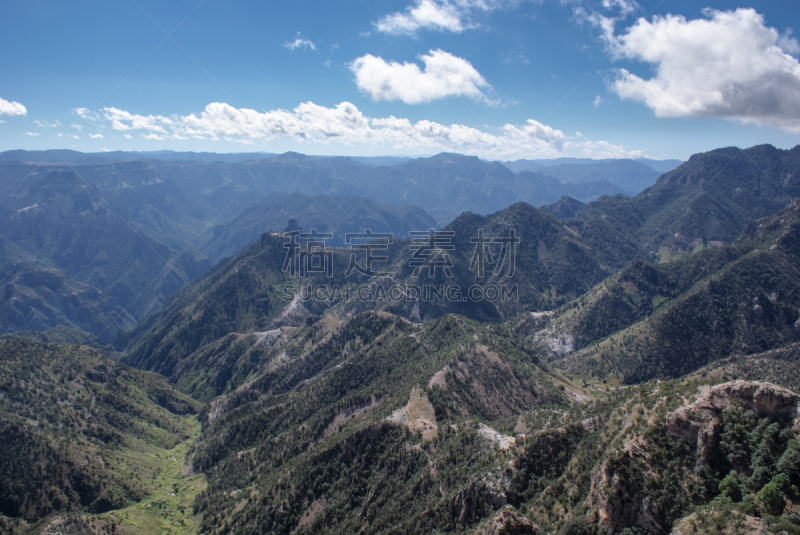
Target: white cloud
(11, 108)
(597, 101)
(625, 7)
(32, 134)
(77, 127)
(86, 113)
(346, 126)
(444, 75)
(45, 124)
(73, 136)
(729, 64)
(300, 43)
(96, 136)
(122, 120)
(441, 15)
(127, 136)
(427, 14)
(2, 121)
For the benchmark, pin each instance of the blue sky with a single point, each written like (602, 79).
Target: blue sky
(501, 79)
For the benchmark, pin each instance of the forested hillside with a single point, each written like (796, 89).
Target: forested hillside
(624, 366)
(80, 432)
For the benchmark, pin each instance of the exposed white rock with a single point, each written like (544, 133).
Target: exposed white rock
(504, 442)
(268, 338)
(559, 344)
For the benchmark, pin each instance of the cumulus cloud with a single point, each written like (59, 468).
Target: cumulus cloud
(96, 136)
(122, 120)
(76, 126)
(32, 134)
(444, 75)
(86, 113)
(440, 15)
(300, 43)
(597, 101)
(345, 125)
(728, 64)
(426, 14)
(11, 108)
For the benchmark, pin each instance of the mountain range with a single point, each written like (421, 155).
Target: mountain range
(570, 365)
(115, 234)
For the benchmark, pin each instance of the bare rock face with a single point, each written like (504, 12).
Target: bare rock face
(617, 506)
(558, 344)
(509, 522)
(699, 422)
(468, 503)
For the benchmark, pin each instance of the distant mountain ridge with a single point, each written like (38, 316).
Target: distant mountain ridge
(334, 215)
(712, 197)
(404, 179)
(630, 175)
(138, 230)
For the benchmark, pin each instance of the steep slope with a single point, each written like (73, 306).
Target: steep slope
(552, 265)
(38, 297)
(146, 195)
(60, 219)
(250, 293)
(711, 197)
(78, 430)
(565, 207)
(333, 410)
(375, 423)
(242, 294)
(668, 452)
(667, 320)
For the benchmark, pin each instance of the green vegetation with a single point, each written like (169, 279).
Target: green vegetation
(80, 432)
(668, 320)
(607, 412)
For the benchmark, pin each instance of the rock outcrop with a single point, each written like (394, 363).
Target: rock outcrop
(558, 344)
(504, 442)
(508, 522)
(490, 489)
(618, 506)
(699, 422)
